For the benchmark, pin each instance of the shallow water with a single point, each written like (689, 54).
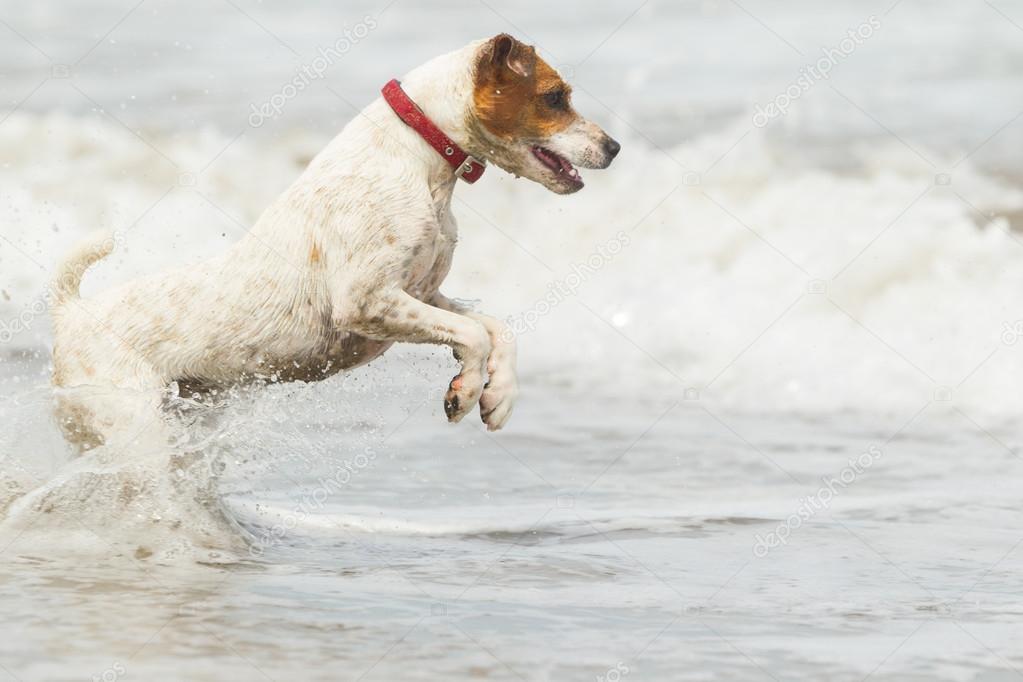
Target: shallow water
(600, 535)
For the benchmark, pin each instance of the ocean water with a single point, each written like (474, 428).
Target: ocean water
(769, 358)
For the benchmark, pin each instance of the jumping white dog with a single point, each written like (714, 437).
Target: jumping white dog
(348, 260)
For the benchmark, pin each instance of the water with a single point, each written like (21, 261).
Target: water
(530, 555)
(772, 434)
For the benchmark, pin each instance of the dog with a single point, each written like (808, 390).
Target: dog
(349, 260)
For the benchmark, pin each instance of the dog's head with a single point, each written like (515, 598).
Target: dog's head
(523, 113)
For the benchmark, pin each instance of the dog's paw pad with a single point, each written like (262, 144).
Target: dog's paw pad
(463, 394)
(451, 406)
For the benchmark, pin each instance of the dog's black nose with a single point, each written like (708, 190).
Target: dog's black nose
(611, 147)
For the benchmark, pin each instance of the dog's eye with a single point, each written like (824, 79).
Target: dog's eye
(556, 99)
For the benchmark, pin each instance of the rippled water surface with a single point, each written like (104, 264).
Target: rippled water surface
(562, 550)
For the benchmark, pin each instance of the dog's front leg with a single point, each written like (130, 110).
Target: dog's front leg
(394, 315)
(502, 389)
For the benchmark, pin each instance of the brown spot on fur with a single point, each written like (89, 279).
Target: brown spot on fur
(511, 92)
(390, 238)
(76, 422)
(315, 255)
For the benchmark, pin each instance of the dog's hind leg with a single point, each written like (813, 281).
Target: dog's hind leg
(105, 393)
(90, 416)
(394, 315)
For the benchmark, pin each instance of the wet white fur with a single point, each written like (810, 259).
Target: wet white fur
(345, 262)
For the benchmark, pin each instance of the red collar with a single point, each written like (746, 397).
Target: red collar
(464, 165)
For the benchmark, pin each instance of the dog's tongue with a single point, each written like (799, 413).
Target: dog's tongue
(556, 162)
(568, 168)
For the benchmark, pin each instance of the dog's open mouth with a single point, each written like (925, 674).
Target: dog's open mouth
(559, 165)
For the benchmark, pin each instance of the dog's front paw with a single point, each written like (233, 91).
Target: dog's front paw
(463, 393)
(498, 400)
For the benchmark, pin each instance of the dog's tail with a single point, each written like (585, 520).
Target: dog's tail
(68, 278)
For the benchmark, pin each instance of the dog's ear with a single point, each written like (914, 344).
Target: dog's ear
(506, 53)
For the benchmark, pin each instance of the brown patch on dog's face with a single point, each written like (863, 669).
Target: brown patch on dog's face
(517, 94)
(524, 115)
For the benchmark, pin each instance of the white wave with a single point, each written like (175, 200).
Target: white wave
(750, 279)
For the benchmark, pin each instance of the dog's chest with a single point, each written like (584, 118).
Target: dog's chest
(425, 261)
(429, 258)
